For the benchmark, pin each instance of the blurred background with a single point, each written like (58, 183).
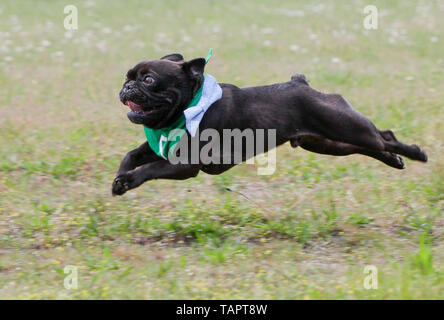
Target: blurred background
(305, 232)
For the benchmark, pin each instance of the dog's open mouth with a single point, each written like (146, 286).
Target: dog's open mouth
(139, 109)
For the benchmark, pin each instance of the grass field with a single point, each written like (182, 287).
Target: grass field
(305, 232)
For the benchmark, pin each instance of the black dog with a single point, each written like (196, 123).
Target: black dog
(158, 91)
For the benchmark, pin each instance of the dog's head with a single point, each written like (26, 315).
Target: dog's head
(157, 91)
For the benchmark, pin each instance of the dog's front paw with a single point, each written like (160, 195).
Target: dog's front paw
(121, 184)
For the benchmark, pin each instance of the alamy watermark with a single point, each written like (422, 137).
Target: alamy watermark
(370, 21)
(71, 280)
(371, 278)
(71, 21)
(232, 147)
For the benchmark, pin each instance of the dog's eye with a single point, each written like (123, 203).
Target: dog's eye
(148, 80)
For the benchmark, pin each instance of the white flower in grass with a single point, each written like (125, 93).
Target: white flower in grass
(294, 47)
(433, 39)
(49, 24)
(161, 36)
(409, 78)
(317, 8)
(101, 46)
(295, 13)
(14, 19)
(335, 60)
(266, 43)
(267, 30)
(69, 34)
(128, 28)
(312, 36)
(139, 44)
(89, 4)
(45, 43)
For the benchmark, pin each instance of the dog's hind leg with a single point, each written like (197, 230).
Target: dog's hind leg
(319, 144)
(393, 145)
(333, 117)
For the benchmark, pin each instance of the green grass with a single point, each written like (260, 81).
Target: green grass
(305, 232)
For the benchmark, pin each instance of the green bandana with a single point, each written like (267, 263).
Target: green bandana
(164, 140)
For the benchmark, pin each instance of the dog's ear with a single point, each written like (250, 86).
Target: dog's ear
(195, 68)
(176, 57)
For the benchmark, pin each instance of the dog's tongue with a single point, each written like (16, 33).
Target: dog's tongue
(133, 106)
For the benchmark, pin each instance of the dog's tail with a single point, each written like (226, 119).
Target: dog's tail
(299, 77)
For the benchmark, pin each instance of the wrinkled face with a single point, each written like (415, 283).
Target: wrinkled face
(157, 91)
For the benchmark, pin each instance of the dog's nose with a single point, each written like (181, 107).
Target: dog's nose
(127, 86)
(125, 89)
